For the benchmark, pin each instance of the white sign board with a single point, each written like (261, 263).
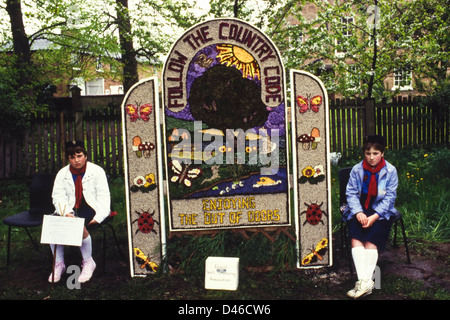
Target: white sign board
(62, 230)
(221, 273)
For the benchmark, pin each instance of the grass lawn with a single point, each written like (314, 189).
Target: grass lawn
(423, 197)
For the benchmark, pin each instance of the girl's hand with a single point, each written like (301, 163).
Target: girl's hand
(370, 220)
(362, 218)
(92, 222)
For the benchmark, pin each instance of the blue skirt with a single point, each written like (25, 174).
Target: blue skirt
(85, 211)
(377, 234)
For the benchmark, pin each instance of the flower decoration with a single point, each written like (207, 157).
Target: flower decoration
(308, 172)
(149, 180)
(139, 181)
(318, 170)
(144, 183)
(312, 175)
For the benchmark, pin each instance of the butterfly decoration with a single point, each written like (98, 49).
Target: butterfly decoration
(144, 260)
(316, 253)
(314, 103)
(137, 112)
(184, 174)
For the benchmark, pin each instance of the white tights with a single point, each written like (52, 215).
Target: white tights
(86, 250)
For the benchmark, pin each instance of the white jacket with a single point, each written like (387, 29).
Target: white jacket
(95, 191)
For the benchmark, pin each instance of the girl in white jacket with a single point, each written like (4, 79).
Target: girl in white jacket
(82, 189)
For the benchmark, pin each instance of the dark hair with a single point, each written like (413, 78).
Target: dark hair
(376, 141)
(375, 145)
(74, 147)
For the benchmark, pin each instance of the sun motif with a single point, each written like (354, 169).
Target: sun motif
(231, 55)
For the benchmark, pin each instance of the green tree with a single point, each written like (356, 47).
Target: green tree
(364, 42)
(76, 32)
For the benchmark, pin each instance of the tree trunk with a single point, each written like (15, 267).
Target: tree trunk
(21, 48)
(374, 57)
(130, 73)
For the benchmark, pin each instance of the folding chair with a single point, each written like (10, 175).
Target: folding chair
(101, 226)
(343, 176)
(40, 203)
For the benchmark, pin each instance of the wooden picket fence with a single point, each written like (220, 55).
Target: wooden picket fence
(40, 148)
(403, 122)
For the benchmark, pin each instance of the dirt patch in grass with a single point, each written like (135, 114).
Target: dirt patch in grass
(427, 277)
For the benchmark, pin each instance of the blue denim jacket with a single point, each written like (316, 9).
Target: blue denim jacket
(384, 203)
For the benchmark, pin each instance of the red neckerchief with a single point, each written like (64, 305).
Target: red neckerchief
(78, 184)
(372, 191)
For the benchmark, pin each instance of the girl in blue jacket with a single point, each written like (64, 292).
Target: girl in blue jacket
(371, 193)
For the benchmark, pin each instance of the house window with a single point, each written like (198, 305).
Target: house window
(403, 79)
(116, 89)
(98, 65)
(346, 30)
(95, 87)
(75, 62)
(352, 76)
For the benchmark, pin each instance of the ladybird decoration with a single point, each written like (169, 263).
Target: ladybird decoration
(313, 213)
(316, 253)
(146, 222)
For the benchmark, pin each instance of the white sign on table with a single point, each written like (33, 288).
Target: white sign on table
(62, 230)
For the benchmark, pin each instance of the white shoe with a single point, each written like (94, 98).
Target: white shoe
(88, 267)
(60, 268)
(364, 288)
(351, 293)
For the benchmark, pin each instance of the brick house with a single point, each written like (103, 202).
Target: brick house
(401, 79)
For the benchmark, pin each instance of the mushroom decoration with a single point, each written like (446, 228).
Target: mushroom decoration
(146, 147)
(142, 148)
(136, 143)
(305, 140)
(315, 134)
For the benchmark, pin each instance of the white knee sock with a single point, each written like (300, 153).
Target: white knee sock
(86, 248)
(359, 259)
(59, 253)
(371, 263)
